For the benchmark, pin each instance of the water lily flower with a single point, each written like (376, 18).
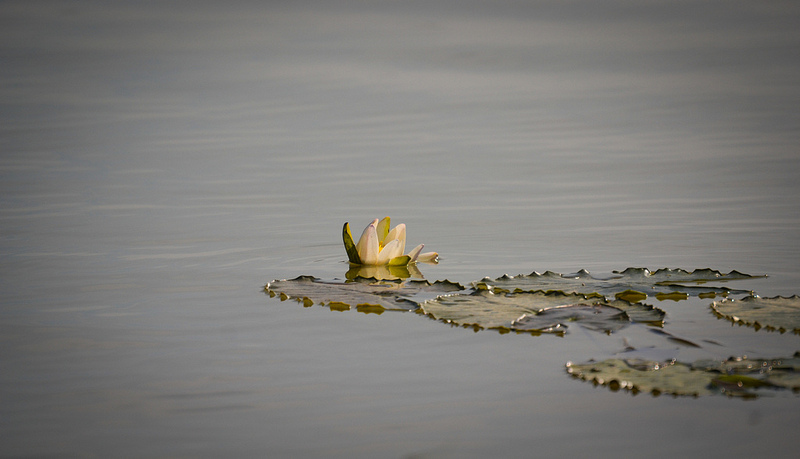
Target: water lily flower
(380, 246)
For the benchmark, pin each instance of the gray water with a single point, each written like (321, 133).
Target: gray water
(162, 162)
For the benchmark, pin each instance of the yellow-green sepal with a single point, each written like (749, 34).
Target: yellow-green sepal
(403, 260)
(383, 229)
(349, 245)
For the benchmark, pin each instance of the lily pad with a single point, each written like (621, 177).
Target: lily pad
(539, 311)
(640, 312)
(774, 314)
(597, 317)
(632, 284)
(365, 294)
(737, 377)
(644, 376)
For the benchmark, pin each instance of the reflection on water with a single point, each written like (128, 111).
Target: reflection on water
(384, 272)
(160, 164)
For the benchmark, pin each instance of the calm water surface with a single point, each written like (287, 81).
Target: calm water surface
(162, 162)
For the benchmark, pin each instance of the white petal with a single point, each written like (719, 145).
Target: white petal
(359, 243)
(389, 251)
(415, 252)
(428, 257)
(399, 233)
(368, 245)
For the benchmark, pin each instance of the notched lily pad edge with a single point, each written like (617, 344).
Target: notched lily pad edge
(475, 327)
(700, 274)
(711, 274)
(364, 307)
(755, 324)
(481, 285)
(715, 382)
(674, 284)
(503, 330)
(635, 312)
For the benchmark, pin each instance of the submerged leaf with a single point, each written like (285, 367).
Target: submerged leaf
(632, 284)
(777, 313)
(365, 294)
(737, 377)
(675, 339)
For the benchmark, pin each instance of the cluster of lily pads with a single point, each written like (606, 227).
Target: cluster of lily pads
(382, 279)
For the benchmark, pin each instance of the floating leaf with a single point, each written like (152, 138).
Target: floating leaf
(597, 317)
(644, 376)
(632, 284)
(489, 310)
(367, 295)
(541, 312)
(777, 313)
(739, 377)
(640, 312)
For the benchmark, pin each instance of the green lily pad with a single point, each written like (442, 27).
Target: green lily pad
(537, 312)
(774, 314)
(736, 377)
(640, 312)
(365, 294)
(644, 376)
(597, 317)
(632, 284)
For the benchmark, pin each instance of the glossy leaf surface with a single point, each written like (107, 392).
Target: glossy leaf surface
(543, 312)
(632, 284)
(775, 314)
(360, 292)
(737, 377)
